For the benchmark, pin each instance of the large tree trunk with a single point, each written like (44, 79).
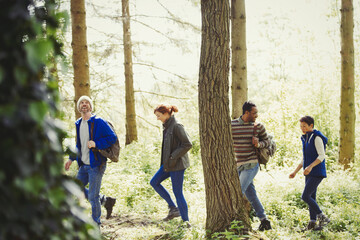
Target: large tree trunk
(238, 57)
(80, 51)
(131, 131)
(347, 105)
(224, 200)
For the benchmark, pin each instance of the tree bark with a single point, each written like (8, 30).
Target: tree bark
(238, 57)
(80, 51)
(130, 125)
(224, 200)
(347, 105)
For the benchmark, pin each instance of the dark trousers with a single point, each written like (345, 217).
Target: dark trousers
(309, 195)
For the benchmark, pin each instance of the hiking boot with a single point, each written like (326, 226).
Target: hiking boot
(185, 224)
(311, 225)
(173, 213)
(109, 204)
(264, 225)
(323, 220)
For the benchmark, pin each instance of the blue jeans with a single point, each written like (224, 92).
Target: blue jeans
(93, 177)
(247, 187)
(177, 179)
(309, 195)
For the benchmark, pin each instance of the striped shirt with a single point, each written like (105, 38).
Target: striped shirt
(242, 133)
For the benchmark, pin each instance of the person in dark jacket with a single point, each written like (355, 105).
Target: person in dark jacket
(313, 163)
(174, 160)
(91, 163)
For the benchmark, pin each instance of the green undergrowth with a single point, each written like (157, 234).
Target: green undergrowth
(139, 210)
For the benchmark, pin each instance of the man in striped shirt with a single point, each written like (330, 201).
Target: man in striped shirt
(246, 138)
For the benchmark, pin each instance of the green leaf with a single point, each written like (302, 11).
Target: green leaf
(54, 170)
(57, 196)
(54, 237)
(37, 111)
(38, 156)
(37, 52)
(32, 184)
(21, 75)
(53, 84)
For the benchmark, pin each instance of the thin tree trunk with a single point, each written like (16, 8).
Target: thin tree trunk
(131, 131)
(224, 200)
(80, 51)
(238, 57)
(347, 105)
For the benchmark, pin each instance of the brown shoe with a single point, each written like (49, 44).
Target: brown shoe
(310, 226)
(109, 204)
(186, 224)
(323, 220)
(173, 213)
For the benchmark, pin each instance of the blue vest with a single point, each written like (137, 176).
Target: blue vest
(310, 154)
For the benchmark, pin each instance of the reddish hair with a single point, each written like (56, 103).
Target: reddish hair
(166, 109)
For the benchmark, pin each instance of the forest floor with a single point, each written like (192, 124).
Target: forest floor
(338, 196)
(143, 227)
(119, 227)
(139, 211)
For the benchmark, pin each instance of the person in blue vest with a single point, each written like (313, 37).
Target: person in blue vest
(91, 163)
(313, 163)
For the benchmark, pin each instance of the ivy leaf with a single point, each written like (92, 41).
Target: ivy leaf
(33, 184)
(21, 75)
(37, 111)
(37, 53)
(57, 196)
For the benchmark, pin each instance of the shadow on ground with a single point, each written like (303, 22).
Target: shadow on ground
(137, 227)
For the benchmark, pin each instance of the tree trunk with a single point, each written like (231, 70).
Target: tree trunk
(347, 105)
(238, 57)
(80, 51)
(130, 125)
(224, 200)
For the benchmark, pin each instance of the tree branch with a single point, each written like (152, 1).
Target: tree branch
(174, 40)
(162, 95)
(176, 20)
(164, 70)
(147, 121)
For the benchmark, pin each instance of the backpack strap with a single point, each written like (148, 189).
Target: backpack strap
(92, 131)
(94, 150)
(92, 138)
(256, 149)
